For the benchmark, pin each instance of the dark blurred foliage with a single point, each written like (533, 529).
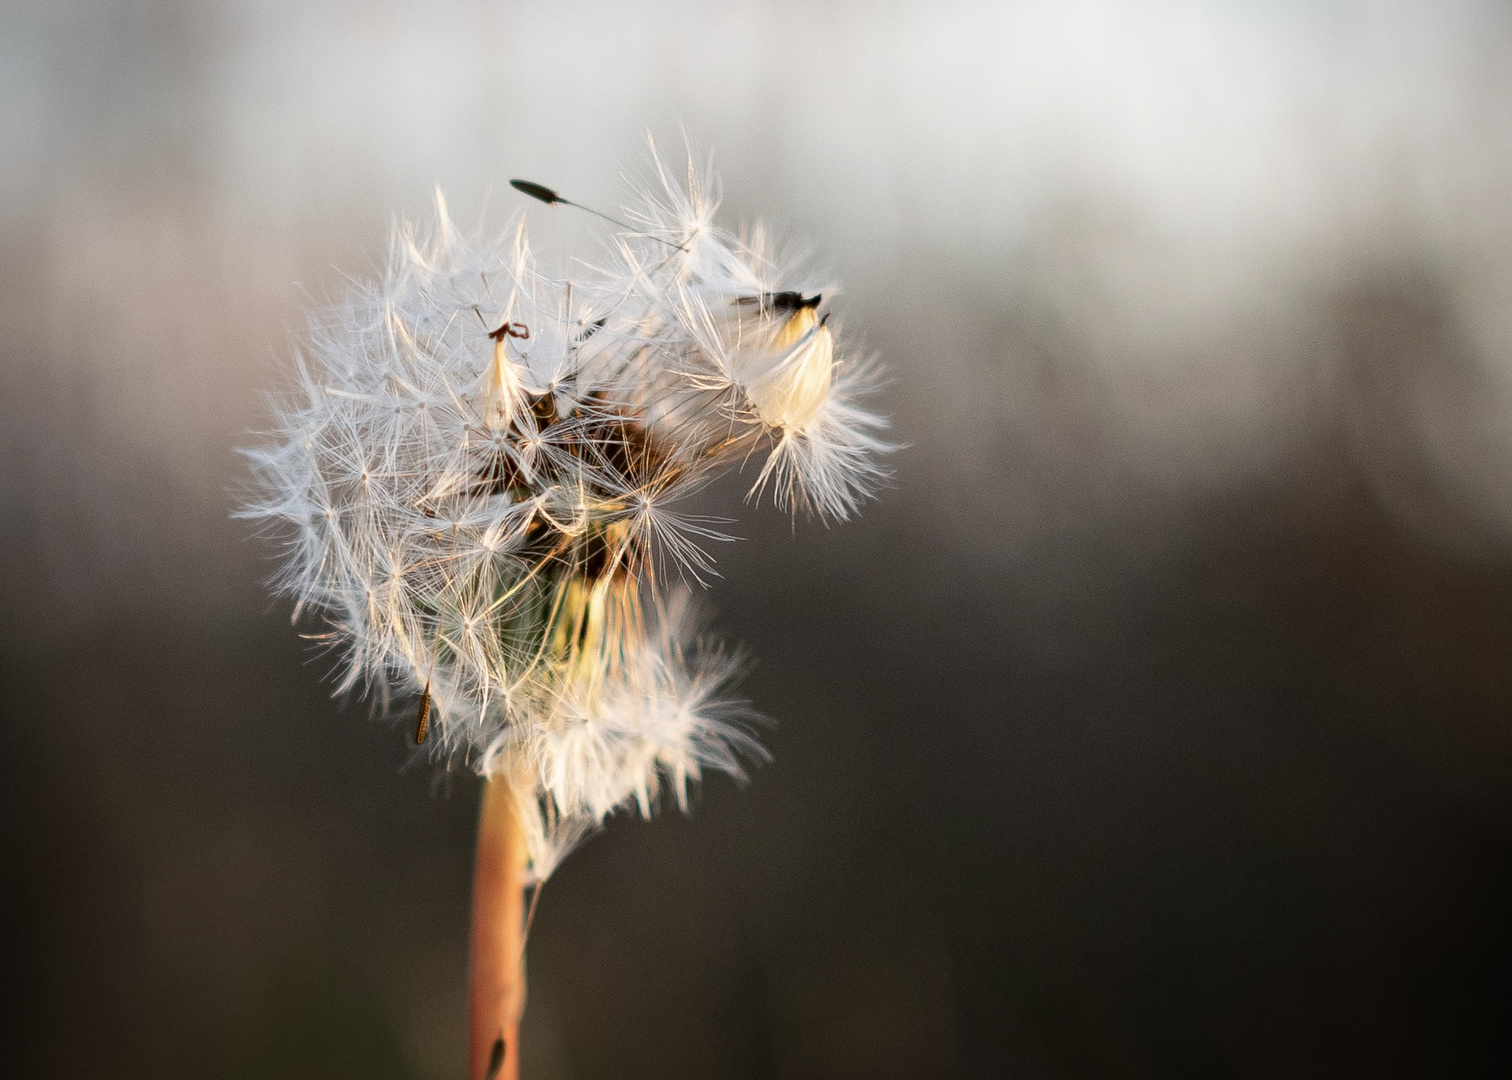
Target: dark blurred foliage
(1127, 735)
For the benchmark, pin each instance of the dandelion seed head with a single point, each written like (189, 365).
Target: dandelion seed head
(475, 478)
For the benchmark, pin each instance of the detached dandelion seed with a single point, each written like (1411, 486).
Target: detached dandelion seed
(477, 479)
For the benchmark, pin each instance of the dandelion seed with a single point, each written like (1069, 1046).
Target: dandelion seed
(551, 198)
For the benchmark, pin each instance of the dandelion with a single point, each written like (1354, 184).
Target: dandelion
(479, 480)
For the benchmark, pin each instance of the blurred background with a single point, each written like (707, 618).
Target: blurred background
(1156, 722)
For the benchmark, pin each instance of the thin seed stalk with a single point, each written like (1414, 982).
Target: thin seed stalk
(496, 963)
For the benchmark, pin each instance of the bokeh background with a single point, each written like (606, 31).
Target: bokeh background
(1156, 722)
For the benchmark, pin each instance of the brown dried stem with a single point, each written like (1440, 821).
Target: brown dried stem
(496, 970)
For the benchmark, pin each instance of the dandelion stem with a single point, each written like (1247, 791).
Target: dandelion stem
(496, 977)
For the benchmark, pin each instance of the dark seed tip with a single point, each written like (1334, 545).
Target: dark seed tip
(536, 191)
(784, 301)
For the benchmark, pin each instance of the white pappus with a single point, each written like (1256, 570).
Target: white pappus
(477, 479)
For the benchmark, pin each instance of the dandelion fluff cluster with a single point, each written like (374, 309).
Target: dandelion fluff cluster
(478, 478)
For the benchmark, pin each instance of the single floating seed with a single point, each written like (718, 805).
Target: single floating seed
(551, 198)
